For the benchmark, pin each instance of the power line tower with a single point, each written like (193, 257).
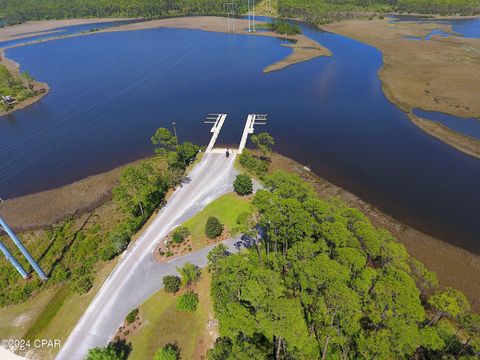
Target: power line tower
(251, 15)
(5, 228)
(230, 9)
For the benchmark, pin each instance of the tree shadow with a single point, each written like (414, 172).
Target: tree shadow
(121, 348)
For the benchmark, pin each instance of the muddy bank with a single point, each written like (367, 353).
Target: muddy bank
(454, 266)
(465, 144)
(46, 208)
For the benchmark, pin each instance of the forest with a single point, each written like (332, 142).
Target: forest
(315, 11)
(326, 11)
(321, 282)
(18, 11)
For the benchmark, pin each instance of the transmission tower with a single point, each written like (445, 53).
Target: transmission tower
(230, 9)
(251, 15)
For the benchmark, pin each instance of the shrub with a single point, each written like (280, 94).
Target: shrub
(213, 227)
(168, 352)
(180, 234)
(243, 185)
(82, 284)
(118, 350)
(256, 166)
(190, 273)
(171, 284)
(188, 302)
(283, 27)
(132, 316)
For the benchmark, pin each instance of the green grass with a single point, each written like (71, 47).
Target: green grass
(165, 324)
(48, 313)
(226, 209)
(17, 319)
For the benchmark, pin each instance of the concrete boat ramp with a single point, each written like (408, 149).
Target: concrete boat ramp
(138, 275)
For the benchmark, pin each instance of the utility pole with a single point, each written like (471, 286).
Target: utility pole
(175, 132)
(13, 261)
(11, 258)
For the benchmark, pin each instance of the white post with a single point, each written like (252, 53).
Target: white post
(253, 16)
(248, 12)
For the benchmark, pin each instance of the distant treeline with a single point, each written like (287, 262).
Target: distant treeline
(315, 11)
(18, 11)
(324, 11)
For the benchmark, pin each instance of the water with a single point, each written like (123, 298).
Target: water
(110, 91)
(428, 37)
(469, 28)
(465, 126)
(64, 31)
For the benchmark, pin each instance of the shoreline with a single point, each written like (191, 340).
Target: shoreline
(303, 48)
(463, 143)
(41, 27)
(419, 74)
(454, 266)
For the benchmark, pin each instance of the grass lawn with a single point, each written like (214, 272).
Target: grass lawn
(51, 314)
(165, 324)
(225, 208)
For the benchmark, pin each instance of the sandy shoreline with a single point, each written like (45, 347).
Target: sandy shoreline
(32, 28)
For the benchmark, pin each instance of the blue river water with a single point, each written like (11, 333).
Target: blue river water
(465, 126)
(110, 91)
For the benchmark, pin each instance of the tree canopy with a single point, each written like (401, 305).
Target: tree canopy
(326, 284)
(264, 142)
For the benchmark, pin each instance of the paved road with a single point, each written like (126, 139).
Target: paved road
(138, 276)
